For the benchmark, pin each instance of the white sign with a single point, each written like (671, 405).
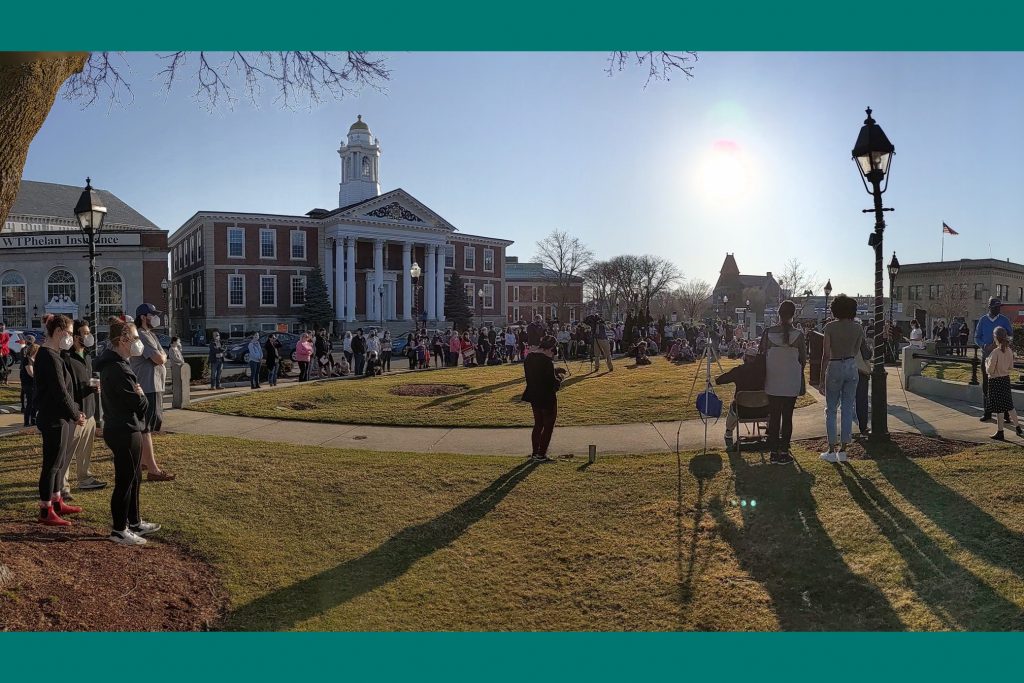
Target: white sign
(114, 239)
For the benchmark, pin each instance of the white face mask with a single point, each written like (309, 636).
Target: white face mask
(137, 348)
(88, 340)
(154, 321)
(66, 343)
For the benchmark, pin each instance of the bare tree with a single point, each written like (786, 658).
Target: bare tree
(694, 298)
(951, 299)
(567, 257)
(30, 81)
(599, 288)
(796, 279)
(655, 275)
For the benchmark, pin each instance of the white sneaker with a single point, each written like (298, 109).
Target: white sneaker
(143, 528)
(126, 537)
(841, 456)
(831, 456)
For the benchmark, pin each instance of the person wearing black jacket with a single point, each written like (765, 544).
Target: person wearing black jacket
(272, 354)
(124, 412)
(28, 383)
(358, 351)
(86, 392)
(56, 414)
(747, 377)
(536, 331)
(542, 382)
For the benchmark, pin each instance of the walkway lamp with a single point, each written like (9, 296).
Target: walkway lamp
(91, 214)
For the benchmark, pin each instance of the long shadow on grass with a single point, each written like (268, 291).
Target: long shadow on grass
(703, 468)
(957, 597)
(490, 388)
(972, 527)
(285, 608)
(785, 547)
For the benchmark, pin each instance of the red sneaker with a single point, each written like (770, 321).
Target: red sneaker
(63, 508)
(49, 517)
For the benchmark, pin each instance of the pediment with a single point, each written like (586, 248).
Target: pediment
(395, 211)
(397, 207)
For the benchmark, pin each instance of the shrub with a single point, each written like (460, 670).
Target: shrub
(199, 365)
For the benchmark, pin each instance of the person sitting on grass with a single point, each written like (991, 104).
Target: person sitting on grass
(639, 352)
(373, 365)
(342, 368)
(747, 377)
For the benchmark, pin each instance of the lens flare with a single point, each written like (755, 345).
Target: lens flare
(724, 173)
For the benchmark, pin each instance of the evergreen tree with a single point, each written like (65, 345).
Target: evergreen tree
(456, 306)
(317, 311)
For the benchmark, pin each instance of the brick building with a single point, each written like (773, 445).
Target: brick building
(947, 289)
(239, 272)
(531, 289)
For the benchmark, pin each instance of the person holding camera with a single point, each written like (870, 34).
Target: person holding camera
(543, 380)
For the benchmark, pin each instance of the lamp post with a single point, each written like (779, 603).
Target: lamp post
(380, 291)
(872, 154)
(167, 304)
(828, 293)
(480, 305)
(91, 213)
(414, 272)
(894, 270)
(725, 305)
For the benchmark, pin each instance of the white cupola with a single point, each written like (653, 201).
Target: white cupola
(360, 165)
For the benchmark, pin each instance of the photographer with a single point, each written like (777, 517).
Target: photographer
(543, 380)
(600, 336)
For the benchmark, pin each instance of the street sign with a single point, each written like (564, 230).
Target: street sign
(741, 310)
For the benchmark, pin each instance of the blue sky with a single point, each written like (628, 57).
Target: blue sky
(514, 145)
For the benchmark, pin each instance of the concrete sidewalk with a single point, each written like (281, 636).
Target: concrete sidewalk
(948, 419)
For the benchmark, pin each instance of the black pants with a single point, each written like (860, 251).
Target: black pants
(55, 457)
(780, 421)
(385, 360)
(543, 426)
(124, 501)
(28, 404)
(303, 370)
(862, 401)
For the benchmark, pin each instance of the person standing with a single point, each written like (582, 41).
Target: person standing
(303, 354)
(542, 382)
(125, 410)
(454, 349)
(916, 335)
(85, 389)
(27, 372)
(984, 336)
(5, 346)
(216, 360)
(346, 347)
(437, 346)
(785, 354)
(954, 337)
(151, 370)
(272, 354)
(844, 339)
(373, 344)
(601, 345)
(56, 414)
(999, 397)
(386, 348)
(359, 351)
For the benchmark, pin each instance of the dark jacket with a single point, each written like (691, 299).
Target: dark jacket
(26, 380)
(534, 332)
(81, 372)
(271, 351)
(216, 347)
(746, 377)
(123, 409)
(55, 399)
(358, 344)
(541, 381)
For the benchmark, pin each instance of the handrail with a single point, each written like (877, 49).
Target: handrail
(974, 362)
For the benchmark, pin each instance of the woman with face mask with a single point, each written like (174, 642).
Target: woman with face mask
(56, 415)
(124, 414)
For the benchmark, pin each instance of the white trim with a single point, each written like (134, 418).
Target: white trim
(273, 242)
(291, 245)
(242, 278)
(268, 277)
(466, 251)
(515, 293)
(241, 230)
(489, 291)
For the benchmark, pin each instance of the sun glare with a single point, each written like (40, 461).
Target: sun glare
(724, 173)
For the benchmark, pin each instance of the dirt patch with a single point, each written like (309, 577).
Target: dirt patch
(301, 405)
(901, 444)
(75, 580)
(428, 389)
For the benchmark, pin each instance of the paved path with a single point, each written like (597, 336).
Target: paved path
(949, 419)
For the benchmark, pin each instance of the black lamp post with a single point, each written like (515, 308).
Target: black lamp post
(828, 293)
(91, 213)
(723, 309)
(480, 305)
(873, 154)
(415, 271)
(894, 270)
(380, 291)
(167, 303)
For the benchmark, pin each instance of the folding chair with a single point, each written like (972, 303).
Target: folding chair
(752, 411)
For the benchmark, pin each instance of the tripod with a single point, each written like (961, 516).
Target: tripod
(707, 356)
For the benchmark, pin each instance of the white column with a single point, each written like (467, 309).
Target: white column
(339, 279)
(429, 299)
(440, 285)
(350, 280)
(406, 281)
(327, 263)
(378, 277)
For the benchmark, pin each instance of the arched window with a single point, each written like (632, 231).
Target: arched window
(109, 295)
(61, 284)
(13, 300)
(366, 167)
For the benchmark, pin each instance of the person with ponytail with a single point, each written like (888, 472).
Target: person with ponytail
(785, 356)
(56, 417)
(124, 419)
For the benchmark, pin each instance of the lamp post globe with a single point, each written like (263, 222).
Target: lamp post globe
(91, 215)
(872, 154)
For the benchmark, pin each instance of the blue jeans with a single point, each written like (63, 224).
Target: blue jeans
(272, 373)
(215, 371)
(841, 379)
(360, 360)
(254, 374)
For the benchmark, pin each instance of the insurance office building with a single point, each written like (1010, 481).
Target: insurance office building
(43, 268)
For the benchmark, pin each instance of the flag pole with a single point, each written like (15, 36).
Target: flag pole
(942, 252)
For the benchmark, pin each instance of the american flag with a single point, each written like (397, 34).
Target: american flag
(948, 230)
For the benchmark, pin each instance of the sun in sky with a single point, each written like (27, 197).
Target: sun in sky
(724, 173)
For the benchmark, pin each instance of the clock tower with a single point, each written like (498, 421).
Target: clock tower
(360, 165)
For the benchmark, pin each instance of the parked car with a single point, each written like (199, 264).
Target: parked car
(239, 351)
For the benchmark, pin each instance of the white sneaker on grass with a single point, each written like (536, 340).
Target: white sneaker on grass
(143, 528)
(126, 537)
(830, 456)
(841, 457)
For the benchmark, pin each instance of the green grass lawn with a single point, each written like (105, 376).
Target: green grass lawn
(10, 394)
(490, 397)
(312, 538)
(951, 372)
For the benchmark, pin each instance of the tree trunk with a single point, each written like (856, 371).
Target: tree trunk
(29, 82)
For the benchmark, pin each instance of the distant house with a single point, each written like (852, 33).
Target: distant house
(739, 288)
(533, 290)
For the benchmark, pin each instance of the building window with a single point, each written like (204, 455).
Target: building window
(192, 249)
(978, 290)
(60, 285)
(898, 293)
(1020, 294)
(488, 260)
(237, 330)
(268, 244)
(469, 258)
(199, 243)
(192, 293)
(449, 256)
(489, 296)
(470, 294)
(268, 327)
(268, 290)
(515, 293)
(536, 293)
(236, 243)
(109, 294)
(931, 292)
(199, 292)
(366, 167)
(298, 245)
(939, 291)
(13, 300)
(515, 314)
(236, 290)
(298, 290)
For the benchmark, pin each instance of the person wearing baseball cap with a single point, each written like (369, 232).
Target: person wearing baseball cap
(151, 370)
(985, 338)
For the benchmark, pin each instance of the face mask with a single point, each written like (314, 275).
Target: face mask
(88, 340)
(154, 321)
(66, 343)
(137, 348)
